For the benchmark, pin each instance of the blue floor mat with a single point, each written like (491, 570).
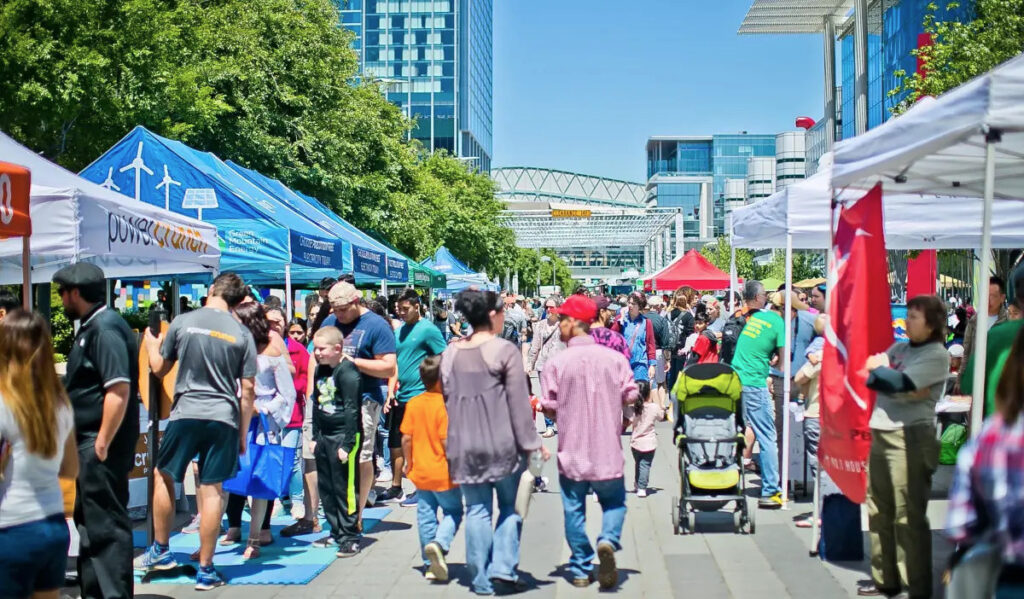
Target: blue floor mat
(287, 561)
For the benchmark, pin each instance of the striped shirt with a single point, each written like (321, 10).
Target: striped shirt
(587, 385)
(986, 501)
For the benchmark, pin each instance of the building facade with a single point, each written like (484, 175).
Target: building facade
(434, 60)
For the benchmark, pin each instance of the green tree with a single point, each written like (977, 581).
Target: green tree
(718, 253)
(803, 267)
(962, 51)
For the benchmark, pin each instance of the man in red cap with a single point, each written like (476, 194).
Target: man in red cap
(585, 388)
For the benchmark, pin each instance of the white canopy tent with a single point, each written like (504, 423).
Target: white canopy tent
(953, 145)
(77, 220)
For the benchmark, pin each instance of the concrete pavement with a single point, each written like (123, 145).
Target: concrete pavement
(655, 563)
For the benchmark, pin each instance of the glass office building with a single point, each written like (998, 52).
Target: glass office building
(434, 59)
(690, 173)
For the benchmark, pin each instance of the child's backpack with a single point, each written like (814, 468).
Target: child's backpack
(953, 438)
(731, 335)
(509, 332)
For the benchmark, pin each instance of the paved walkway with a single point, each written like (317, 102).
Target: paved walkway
(713, 564)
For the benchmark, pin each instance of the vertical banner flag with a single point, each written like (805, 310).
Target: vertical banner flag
(859, 326)
(15, 190)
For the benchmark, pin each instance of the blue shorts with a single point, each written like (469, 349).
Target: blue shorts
(33, 557)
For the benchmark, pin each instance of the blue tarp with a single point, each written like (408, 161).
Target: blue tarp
(459, 276)
(258, 232)
(370, 258)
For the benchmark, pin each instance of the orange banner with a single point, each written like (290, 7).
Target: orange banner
(15, 190)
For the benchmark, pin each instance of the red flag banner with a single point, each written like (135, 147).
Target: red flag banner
(859, 326)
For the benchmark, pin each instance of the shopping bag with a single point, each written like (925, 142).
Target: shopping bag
(264, 472)
(976, 575)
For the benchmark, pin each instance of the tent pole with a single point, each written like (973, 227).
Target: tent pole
(787, 371)
(289, 309)
(981, 339)
(816, 512)
(26, 274)
(733, 278)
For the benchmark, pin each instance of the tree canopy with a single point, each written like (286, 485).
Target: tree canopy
(270, 84)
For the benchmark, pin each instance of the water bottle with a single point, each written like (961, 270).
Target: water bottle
(536, 464)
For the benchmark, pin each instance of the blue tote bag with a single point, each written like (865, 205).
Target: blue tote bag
(265, 471)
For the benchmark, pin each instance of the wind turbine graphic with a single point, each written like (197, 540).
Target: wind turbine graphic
(109, 182)
(137, 165)
(166, 183)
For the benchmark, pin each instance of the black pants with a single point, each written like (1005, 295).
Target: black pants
(101, 515)
(339, 488)
(236, 503)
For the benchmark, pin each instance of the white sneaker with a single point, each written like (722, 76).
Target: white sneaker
(641, 492)
(548, 433)
(385, 475)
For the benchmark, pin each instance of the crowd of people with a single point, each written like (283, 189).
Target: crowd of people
(447, 395)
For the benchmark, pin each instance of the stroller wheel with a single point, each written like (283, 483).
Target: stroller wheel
(675, 515)
(691, 522)
(750, 517)
(737, 521)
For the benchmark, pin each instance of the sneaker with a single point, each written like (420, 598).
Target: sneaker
(391, 495)
(155, 558)
(385, 476)
(607, 573)
(429, 576)
(770, 503)
(325, 542)
(540, 484)
(192, 527)
(299, 527)
(208, 579)
(584, 581)
(438, 565)
(410, 500)
(371, 499)
(641, 492)
(548, 433)
(349, 549)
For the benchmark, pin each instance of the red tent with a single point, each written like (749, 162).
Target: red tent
(689, 269)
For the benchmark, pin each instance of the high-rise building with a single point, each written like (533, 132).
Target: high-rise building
(434, 59)
(690, 173)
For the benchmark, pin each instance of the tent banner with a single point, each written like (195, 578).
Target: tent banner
(421, 278)
(317, 252)
(368, 262)
(15, 185)
(438, 281)
(858, 285)
(139, 231)
(398, 269)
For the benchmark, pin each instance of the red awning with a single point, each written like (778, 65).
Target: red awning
(690, 269)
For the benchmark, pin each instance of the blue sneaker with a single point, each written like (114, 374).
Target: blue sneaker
(155, 558)
(207, 580)
(410, 500)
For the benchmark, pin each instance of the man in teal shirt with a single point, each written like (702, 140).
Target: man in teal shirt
(762, 338)
(416, 340)
(1000, 342)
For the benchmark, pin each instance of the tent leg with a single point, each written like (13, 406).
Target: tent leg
(384, 288)
(981, 340)
(733, 278)
(289, 309)
(816, 512)
(26, 273)
(787, 373)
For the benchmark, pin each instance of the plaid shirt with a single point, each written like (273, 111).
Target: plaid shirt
(986, 501)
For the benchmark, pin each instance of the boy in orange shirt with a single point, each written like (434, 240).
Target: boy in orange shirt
(424, 443)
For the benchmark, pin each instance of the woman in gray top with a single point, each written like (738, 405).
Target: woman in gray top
(909, 379)
(490, 430)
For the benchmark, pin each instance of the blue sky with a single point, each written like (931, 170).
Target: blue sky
(580, 85)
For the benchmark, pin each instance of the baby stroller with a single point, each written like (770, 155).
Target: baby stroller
(710, 441)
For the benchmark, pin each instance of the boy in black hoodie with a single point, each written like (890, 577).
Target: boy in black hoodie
(337, 433)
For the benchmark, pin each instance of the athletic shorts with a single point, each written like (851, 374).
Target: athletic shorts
(216, 444)
(395, 416)
(33, 556)
(371, 418)
(659, 369)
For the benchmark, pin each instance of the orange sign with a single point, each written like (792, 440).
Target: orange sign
(166, 384)
(15, 185)
(570, 213)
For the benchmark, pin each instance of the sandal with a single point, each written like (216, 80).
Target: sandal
(232, 537)
(252, 550)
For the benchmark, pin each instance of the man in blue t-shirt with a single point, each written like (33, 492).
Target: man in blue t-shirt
(416, 339)
(370, 342)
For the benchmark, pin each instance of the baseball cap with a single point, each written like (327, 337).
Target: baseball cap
(343, 293)
(602, 302)
(779, 301)
(655, 300)
(579, 307)
(956, 351)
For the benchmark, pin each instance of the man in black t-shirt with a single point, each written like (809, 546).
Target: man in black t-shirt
(102, 382)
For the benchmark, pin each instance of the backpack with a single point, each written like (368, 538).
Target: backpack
(679, 329)
(731, 335)
(509, 332)
(953, 438)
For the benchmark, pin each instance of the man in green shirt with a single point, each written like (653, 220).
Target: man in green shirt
(762, 338)
(1000, 341)
(415, 340)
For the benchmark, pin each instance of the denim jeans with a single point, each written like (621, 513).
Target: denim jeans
(643, 461)
(430, 528)
(292, 437)
(492, 549)
(381, 444)
(612, 496)
(758, 413)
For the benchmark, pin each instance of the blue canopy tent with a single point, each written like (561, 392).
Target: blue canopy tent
(458, 274)
(260, 235)
(370, 258)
